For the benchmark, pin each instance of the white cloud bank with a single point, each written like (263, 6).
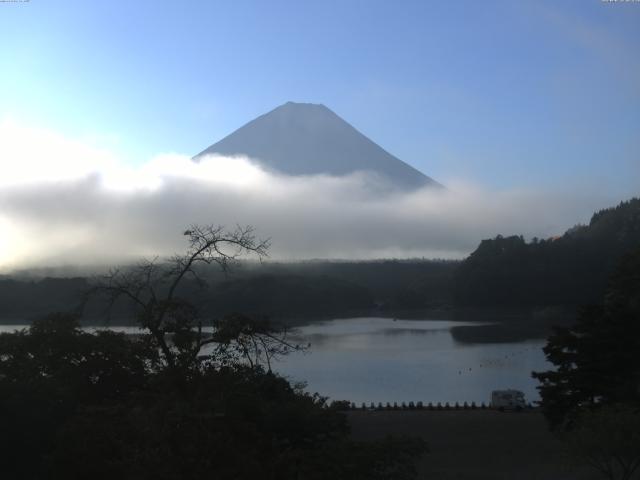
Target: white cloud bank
(63, 202)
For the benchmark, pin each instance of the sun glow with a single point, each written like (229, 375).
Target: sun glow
(35, 159)
(13, 247)
(32, 156)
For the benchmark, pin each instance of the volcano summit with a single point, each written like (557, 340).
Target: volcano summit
(309, 139)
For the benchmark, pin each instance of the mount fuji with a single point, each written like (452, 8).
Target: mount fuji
(309, 139)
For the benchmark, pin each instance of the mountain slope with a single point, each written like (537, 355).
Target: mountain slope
(309, 139)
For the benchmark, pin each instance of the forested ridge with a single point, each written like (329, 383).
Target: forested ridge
(281, 290)
(568, 270)
(505, 271)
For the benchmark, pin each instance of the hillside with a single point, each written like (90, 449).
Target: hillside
(569, 270)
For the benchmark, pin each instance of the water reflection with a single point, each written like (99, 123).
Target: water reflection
(381, 360)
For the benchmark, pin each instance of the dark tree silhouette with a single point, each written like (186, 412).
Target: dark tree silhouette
(571, 269)
(153, 290)
(48, 372)
(598, 359)
(157, 406)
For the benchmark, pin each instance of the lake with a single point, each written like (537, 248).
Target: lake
(375, 359)
(382, 360)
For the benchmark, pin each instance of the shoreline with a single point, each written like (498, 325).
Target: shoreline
(490, 325)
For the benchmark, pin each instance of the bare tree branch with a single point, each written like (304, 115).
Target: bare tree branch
(152, 288)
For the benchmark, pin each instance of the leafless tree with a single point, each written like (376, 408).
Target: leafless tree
(152, 288)
(238, 338)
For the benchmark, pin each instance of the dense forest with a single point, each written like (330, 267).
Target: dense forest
(569, 270)
(26, 299)
(283, 291)
(504, 272)
(591, 396)
(597, 359)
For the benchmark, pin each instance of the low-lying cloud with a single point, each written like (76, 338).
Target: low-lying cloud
(62, 202)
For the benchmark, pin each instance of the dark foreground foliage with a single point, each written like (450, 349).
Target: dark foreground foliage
(75, 405)
(592, 398)
(598, 359)
(608, 440)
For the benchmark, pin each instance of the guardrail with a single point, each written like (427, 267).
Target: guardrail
(346, 405)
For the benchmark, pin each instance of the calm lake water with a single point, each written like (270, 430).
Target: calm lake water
(382, 360)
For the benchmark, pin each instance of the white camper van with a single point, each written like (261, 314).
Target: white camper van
(507, 400)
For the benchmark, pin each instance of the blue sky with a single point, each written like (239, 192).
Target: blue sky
(505, 94)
